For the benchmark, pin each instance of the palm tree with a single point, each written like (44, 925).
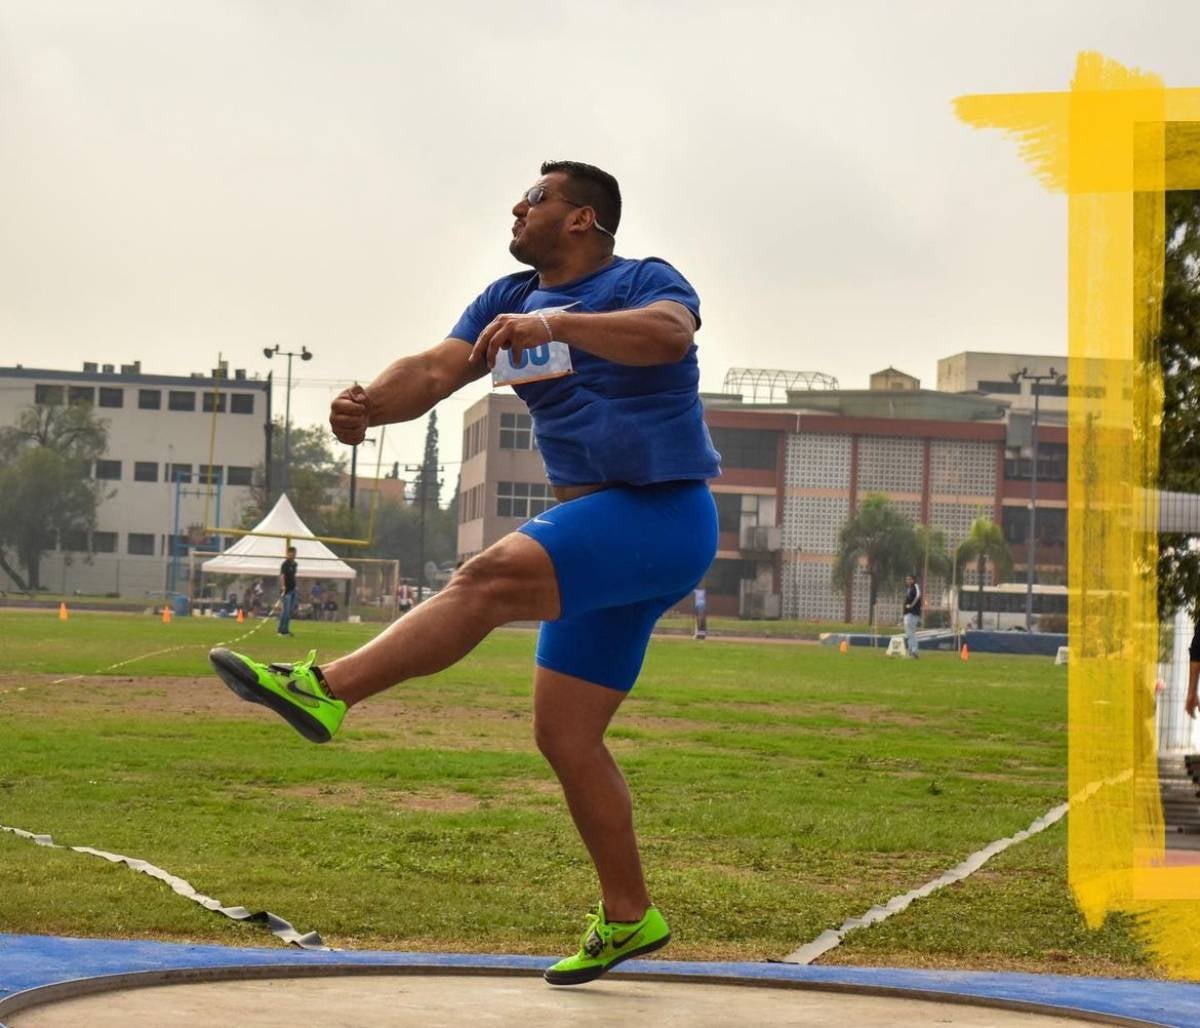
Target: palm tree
(881, 538)
(985, 543)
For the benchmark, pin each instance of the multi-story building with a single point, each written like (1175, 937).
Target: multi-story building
(503, 478)
(181, 450)
(796, 467)
(941, 460)
(998, 375)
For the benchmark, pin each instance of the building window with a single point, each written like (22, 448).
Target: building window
(746, 447)
(209, 474)
(1052, 464)
(112, 397)
(726, 576)
(470, 504)
(109, 470)
(180, 400)
(149, 399)
(81, 396)
(1051, 524)
(141, 544)
(180, 473)
(242, 403)
(74, 540)
(239, 476)
(523, 499)
(210, 398)
(48, 395)
(145, 471)
(104, 542)
(516, 432)
(1000, 386)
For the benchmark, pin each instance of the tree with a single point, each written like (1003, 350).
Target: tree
(935, 558)
(1178, 352)
(46, 484)
(427, 484)
(984, 544)
(881, 539)
(313, 474)
(398, 536)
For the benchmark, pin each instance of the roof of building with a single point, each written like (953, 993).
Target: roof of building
(927, 404)
(134, 378)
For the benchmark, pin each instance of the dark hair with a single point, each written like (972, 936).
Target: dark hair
(592, 187)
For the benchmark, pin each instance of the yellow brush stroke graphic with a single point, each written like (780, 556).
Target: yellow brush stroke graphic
(1114, 144)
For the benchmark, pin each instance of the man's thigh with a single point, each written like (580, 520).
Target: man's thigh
(624, 546)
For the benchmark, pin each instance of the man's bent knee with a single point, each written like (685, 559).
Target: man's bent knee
(515, 576)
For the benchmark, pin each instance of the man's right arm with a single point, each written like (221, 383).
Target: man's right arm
(404, 390)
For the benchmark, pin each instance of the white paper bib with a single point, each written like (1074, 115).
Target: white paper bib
(550, 360)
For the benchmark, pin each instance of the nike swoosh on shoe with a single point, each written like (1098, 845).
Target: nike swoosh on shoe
(294, 688)
(622, 943)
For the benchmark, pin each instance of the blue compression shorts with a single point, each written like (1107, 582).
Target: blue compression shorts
(623, 557)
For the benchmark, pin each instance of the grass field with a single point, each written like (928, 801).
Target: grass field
(779, 790)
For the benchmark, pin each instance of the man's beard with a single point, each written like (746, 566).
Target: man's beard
(521, 253)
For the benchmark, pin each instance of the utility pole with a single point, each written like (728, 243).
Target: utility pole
(1024, 375)
(422, 491)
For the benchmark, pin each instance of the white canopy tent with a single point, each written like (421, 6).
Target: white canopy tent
(256, 555)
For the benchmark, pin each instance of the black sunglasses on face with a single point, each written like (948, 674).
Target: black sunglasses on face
(539, 194)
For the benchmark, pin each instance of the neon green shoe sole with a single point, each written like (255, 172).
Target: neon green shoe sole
(296, 692)
(605, 945)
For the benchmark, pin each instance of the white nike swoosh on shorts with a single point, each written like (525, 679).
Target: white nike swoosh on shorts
(539, 521)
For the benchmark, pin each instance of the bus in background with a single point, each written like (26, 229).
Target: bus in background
(1004, 606)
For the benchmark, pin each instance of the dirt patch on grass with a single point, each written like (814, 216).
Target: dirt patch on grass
(438, 801)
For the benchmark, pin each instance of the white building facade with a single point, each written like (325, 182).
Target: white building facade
(182, 451)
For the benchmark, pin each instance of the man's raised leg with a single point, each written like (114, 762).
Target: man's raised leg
(512, 580)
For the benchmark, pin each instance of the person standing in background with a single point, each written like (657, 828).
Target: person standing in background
(912, 614)
(287, 591)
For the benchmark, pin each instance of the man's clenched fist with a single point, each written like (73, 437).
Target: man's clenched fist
(350, 415)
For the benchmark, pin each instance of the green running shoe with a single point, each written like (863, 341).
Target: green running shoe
(605, 944)
(297, 692)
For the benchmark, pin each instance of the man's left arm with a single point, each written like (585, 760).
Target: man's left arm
(659, 333)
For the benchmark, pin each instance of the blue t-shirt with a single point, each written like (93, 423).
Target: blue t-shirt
(609, 422)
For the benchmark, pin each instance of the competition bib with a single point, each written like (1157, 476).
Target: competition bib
(550, 360)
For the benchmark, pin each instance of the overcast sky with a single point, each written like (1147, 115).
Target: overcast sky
(182, 179)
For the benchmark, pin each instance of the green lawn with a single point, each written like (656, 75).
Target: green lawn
(779, 790)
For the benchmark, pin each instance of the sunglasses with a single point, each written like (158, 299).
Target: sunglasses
(539, 194)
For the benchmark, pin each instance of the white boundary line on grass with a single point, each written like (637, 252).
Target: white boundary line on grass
(278, 926)
(146, 656)
(831, 938)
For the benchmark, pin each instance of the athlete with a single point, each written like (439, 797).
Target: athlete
(621, 431)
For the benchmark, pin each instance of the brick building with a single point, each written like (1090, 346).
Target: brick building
(794, 468)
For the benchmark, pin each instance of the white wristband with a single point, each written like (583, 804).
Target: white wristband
(546, 325)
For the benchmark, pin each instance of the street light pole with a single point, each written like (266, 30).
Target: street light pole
(305, 355)
(1031, 539)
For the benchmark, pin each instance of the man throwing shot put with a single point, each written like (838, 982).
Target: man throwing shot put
(601, 349)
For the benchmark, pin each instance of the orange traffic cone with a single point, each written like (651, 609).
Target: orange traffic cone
(241, 618)
(166, 617)
(844, 646)
(62, 612)
(964, 653)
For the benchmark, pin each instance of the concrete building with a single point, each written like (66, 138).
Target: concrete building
(158, 474)
(503, 479)
(890, 379)
(794, 469)
(991, 374)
